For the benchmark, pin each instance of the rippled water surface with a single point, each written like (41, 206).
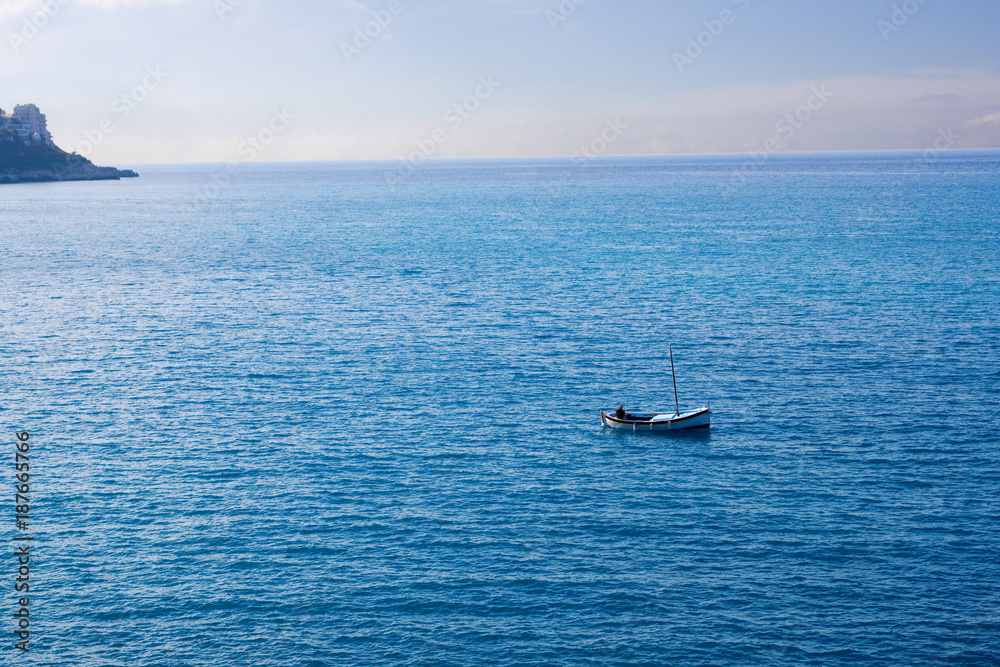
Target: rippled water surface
(322, 420)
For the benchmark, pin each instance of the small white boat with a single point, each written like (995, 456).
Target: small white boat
(660, 421)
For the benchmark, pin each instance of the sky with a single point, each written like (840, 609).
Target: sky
(162, 81)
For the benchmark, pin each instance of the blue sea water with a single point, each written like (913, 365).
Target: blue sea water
(304, 415)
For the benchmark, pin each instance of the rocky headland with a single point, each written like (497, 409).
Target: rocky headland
(28, 155)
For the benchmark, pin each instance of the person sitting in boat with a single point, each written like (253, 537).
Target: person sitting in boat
(620, 412)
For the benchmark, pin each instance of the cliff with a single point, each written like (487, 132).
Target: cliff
(39, 161)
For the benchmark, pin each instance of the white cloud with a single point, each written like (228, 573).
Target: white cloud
(14, 7)
(17, 7)
(989, 119)
(871, 113)
(111, 4)
(355, 5)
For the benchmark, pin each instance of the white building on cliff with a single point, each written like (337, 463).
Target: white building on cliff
(27, 122)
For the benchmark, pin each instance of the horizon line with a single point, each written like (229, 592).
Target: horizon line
(585, 160)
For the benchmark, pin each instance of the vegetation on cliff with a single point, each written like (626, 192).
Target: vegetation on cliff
(39, 161)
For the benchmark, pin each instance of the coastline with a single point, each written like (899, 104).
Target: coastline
(94, 173)
(29, 155)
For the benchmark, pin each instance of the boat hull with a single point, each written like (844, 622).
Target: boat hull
(689, 420)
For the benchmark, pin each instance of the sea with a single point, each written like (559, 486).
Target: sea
(310, 414)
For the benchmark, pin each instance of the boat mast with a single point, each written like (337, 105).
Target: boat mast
(677, 405)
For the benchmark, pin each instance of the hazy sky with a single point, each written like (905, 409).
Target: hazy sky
(133, 81)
